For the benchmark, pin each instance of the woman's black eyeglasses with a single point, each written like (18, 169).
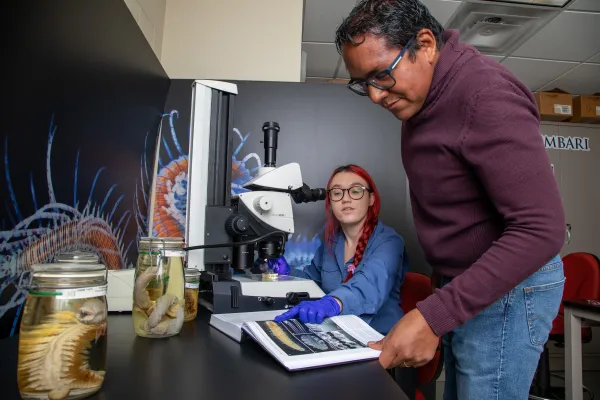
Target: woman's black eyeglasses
(355, 192)
(382, 80)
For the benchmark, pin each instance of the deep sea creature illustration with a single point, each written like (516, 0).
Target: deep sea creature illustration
(314, 342)
(171, 187)
(346, 340)
(142, 193)
(240, 174)
(282, 336)
(54, 356)
(56, 227)
(331, 341)
(299, 250)
(170, 202)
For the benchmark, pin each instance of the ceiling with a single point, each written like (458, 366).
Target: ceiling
(563, 53)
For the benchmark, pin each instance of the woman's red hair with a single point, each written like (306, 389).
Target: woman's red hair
(332, 225)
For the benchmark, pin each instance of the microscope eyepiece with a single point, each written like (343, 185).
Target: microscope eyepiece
(308, 195)
(270, 129)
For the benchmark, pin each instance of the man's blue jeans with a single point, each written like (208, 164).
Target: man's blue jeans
(494, 355)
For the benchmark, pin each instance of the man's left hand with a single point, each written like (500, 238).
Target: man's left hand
(410, 343)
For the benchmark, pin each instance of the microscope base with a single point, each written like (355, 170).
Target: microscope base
(250, 294)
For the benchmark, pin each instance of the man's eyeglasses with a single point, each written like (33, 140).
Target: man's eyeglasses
(355, 192)
(382, 80)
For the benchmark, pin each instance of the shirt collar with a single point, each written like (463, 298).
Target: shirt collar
(339, 244)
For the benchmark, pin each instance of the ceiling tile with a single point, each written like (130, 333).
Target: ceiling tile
(321, 19)
(585, 5)
(321, 59)
(584, 79)
(536, 73)
(554, 43)
(595, 59)
(441, 10)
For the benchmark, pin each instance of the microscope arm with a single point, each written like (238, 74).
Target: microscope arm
(283, 236)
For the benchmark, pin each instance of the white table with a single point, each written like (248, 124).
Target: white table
(574, 312)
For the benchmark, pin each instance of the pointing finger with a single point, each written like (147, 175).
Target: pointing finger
(303, 315)
(287, 315)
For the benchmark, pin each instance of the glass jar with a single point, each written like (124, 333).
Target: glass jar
(192, 285)
(77, 257)
(62, 339)
(158, 291)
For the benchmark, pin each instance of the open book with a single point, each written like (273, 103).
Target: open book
(338, 340)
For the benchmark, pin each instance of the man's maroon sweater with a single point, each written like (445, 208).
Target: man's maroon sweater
(486, 205)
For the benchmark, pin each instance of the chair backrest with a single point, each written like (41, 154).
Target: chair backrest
(582, 271)
(417, 287)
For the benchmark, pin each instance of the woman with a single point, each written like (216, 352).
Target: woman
(363, 262)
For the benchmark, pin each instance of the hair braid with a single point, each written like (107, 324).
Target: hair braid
(367, 231)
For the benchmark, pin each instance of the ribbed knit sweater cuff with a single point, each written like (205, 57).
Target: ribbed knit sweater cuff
(437, 315)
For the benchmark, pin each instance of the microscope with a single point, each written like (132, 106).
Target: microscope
(225, 233)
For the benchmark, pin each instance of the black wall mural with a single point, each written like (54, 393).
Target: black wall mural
(322, 127)
(85, 94)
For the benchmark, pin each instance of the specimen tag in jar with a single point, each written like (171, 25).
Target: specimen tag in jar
(174, 253)
(81, 293)
(192, 285)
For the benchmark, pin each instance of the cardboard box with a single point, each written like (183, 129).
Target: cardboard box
(555, 105)
(586, 109)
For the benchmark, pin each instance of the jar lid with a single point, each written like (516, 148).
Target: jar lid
(78, 257)
(66, 275)
(191, 273)
(160, 242)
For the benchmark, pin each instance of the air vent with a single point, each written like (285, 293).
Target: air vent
(499, 29)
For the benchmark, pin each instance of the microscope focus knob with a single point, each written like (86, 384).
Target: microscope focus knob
(236, 225)
(263, 204)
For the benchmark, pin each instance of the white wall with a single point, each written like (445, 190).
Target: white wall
(150, 16)
(233, 39)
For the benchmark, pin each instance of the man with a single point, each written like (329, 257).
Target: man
(486, 205)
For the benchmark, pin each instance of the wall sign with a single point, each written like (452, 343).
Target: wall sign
(566, 143)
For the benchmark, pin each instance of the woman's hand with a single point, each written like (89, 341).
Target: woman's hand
(279, 265)
(313, 312)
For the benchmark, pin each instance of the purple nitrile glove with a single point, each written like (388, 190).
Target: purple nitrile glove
(312, 312)
(279, 265)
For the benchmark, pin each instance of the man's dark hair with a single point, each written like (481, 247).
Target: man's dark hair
(395, 20)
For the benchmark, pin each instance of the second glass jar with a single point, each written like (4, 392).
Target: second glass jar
(158, 292)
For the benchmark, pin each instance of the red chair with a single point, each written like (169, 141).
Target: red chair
(417, 287)
(582, 271)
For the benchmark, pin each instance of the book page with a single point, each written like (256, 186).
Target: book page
(238, 319)
(300, 346)
(295, 338)
(357, 328)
